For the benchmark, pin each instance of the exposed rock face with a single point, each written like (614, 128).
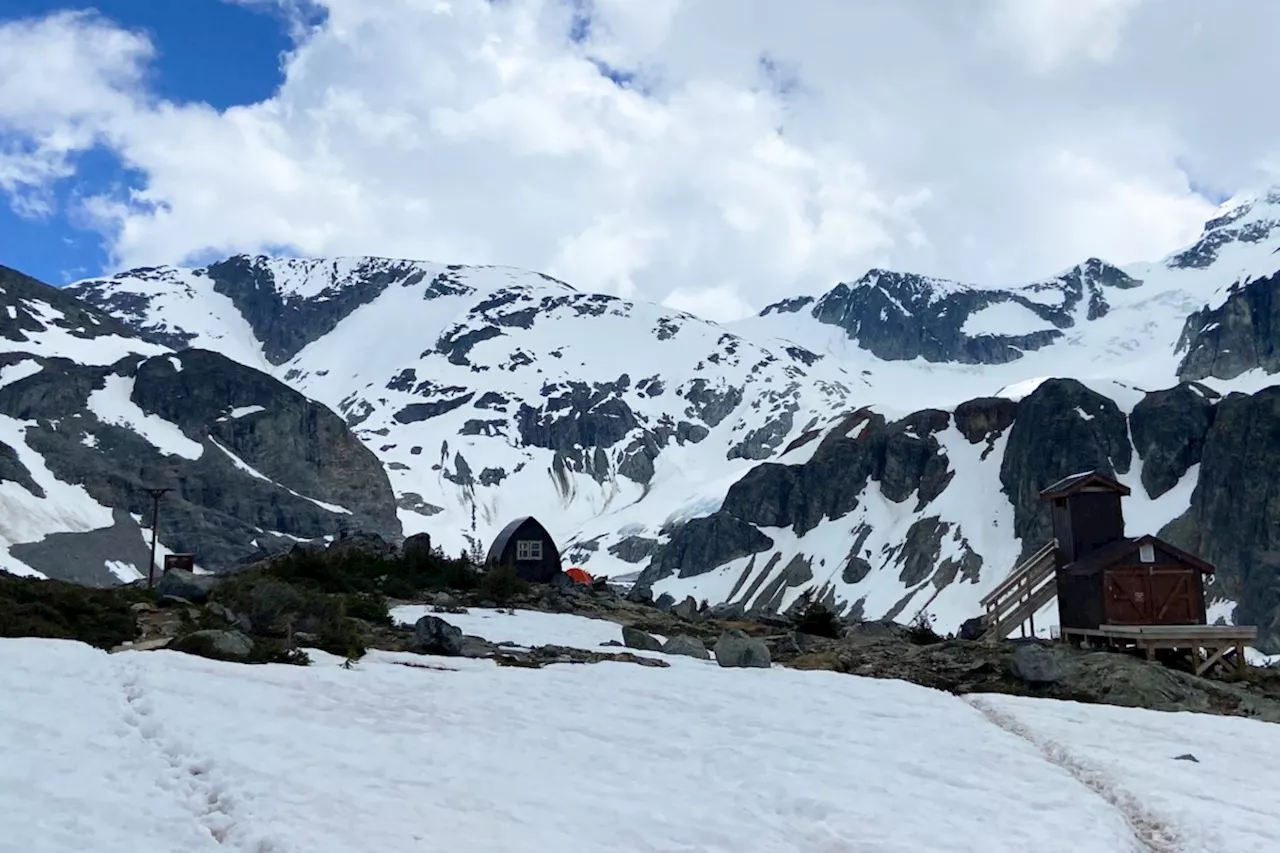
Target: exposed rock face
(1061, 428)
(1234, 519)
(902, 316)
(250, 460)
(702, 544)
(1169, 429)
(1241, 334)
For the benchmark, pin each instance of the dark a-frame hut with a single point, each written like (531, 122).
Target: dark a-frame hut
(526, 546)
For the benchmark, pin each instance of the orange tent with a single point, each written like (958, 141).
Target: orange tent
(580, 576)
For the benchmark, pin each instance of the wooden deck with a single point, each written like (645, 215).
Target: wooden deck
(1209, 644)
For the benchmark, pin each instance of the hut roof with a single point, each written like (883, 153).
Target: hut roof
(1118, 550)
(1091, 480)
(504, 536)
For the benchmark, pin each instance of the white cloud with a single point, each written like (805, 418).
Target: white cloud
(990, 147)
(1051, 32)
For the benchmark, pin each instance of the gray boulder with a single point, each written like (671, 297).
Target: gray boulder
(683, 644)
(1037, 665)
(665, 601)
(475, 647)
(972, 629)
(434, 636)
(729, 612)
(687, 609)
(736, 649)
(219, 645)
(634, 638)
(640, 594)
(417, 546)
(180, 583)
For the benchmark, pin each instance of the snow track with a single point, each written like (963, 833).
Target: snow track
(194, 780)
(1151, 833)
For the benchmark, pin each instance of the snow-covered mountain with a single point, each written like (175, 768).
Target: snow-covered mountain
(91, 415)
(881, 444)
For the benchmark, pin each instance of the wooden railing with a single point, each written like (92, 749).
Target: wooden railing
(1029, 587)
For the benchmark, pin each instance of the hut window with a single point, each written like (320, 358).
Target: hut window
(1147, 553)
(529, 549)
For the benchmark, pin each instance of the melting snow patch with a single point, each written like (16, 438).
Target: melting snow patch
(12, 373)
(176, 362)
(126, 572)
(112, 405)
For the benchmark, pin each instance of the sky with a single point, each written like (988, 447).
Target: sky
(713, 155)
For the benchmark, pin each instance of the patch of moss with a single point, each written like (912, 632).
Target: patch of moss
(58, 610)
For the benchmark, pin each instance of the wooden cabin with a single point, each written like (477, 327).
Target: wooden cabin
(1111, 588)
(1106, 578)
(527, 546)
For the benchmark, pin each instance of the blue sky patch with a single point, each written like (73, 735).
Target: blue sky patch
(220, 53)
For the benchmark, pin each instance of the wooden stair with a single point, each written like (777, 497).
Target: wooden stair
(1015, 602)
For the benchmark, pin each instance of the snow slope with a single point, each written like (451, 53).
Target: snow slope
(154, 752)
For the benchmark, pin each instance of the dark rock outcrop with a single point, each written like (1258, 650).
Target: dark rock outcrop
(250, 461)
(1241, 334)
(1061, 428)
(1169, 429)
(1234, 518)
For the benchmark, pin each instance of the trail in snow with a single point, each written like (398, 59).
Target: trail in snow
(192, 779)
(1151, 833)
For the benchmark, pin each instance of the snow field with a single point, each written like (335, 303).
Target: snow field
(159, 751)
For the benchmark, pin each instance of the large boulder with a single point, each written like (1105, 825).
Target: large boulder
(686, 646)
(216, 644)
(634, 638)
(736, 649)
(1038, 665)
(434, 636)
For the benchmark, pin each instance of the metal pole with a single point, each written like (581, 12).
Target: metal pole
(156, 494)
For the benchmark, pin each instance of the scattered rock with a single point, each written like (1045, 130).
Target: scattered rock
(736, 649)
(972, 629)
(475, 647)
(434, 636)
(683, 644)
(640, 594)
(1186, 757)
(665, 602)
(728, 612)
(634, 638)
(543, 655)
(1037, 665)
(179, 583)
(687, 609)
(219, 645)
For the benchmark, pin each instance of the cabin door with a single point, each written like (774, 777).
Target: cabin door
(1128, 595)
(1151, 595)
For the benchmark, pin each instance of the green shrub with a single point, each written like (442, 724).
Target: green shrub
(56, 610)
(500, 584)
(819, 620)
(367, 606)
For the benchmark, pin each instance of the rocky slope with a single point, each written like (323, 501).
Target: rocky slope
(881, 444)
(91, 416)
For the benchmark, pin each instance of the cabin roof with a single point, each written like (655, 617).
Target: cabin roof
(1115, 552)
(504, 536)
(1084, 481)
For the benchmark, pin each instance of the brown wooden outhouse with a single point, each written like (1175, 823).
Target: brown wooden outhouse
(1106, 578)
